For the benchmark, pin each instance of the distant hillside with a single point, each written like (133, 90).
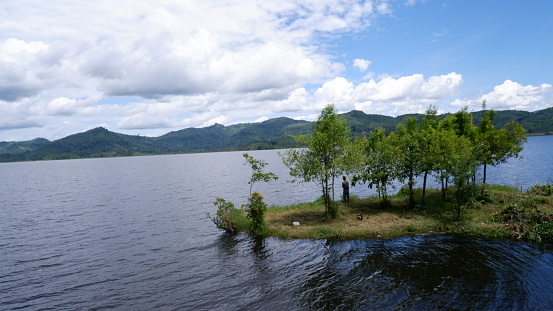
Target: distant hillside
(270, 134)
(15, 147)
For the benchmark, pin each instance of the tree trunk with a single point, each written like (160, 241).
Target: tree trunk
(484, 178)
(333, 184)
(424, 186)
(442, 179)
(326, 195)
(411, 195)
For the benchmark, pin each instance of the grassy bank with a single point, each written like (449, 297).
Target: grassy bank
(502, 213)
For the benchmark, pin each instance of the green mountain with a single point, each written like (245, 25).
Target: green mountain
(15, 147)
(270, 134)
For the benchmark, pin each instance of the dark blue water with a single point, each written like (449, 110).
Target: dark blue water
(131, 234)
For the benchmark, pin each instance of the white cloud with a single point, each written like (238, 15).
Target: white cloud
(361, 64)
(261, 119)
(237, 55)
(388, 96)
(512, 96)
(64, 66)
(296, 101)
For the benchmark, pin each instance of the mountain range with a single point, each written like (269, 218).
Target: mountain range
(271, 134)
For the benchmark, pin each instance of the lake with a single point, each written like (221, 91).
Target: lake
(131, 234)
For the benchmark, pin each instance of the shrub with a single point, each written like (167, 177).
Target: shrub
(545, 190)
(226, 215)
(255, 210)
(527, 221)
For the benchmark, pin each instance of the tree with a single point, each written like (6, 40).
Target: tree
(257, 167)
(409, 154)
(325, 153)
(496, 146)
(379, 154)
(461, 123)
(256, 207)
(449, 151)
(428, 143)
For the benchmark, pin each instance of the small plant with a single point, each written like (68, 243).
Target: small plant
(410, 229)
(255, 210)
(545, 190)
(226, 215)
(257, 167)
(231, 219)
(526, 221)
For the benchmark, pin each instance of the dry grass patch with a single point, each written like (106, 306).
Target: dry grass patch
(483, 217)
(375, 222)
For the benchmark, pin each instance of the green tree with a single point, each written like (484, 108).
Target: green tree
(461, 123)
(256, 207)
(449, 152)
(378, 169)
(428, 143)
(257, 167)
(325, 154)
(496, 146)
(409, 154)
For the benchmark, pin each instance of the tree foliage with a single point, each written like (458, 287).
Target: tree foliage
(326, 155)
(257, 167)
(450, 149)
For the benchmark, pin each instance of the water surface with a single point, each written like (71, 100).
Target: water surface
(131, 234)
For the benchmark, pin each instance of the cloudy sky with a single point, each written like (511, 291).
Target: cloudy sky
(150, 67)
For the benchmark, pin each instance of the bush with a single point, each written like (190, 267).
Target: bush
(527, 221)
(255, 210)
(226, 215)
(545, 190)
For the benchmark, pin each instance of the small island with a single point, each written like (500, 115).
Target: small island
(451, 149)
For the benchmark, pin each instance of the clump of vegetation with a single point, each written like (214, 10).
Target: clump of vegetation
(452, 149)
(526, 220)
(226, 217)
(545, 190)
(255, 211)
(230, 219)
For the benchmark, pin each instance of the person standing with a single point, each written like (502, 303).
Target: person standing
(345, 189)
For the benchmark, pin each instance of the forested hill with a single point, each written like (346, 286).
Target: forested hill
(270, 134)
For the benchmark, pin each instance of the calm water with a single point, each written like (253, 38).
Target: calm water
(131, 234)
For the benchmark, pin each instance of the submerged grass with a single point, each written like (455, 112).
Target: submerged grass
(489, 216)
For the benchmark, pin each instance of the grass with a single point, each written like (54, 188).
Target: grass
(502, 213)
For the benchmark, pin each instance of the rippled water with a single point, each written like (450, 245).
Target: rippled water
(131, 234)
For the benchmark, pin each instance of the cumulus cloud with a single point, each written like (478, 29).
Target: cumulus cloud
(407, 94)
(512, 96)
(63, 52)
(361, 64)
(65, 65)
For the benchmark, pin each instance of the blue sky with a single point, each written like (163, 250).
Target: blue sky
(147, 68)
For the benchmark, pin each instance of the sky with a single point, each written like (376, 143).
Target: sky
(146, 68)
